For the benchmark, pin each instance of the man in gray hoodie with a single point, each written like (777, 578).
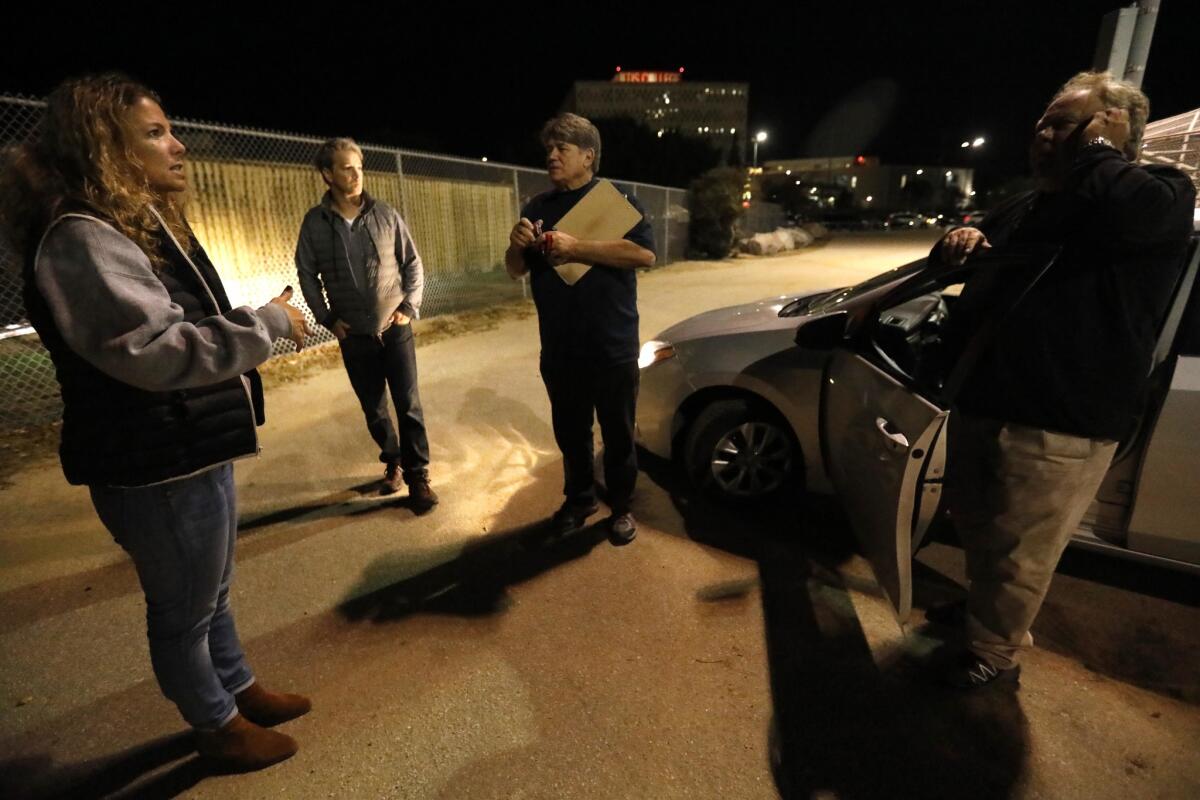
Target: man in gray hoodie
(363, 280)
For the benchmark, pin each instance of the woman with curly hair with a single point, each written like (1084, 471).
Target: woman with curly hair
(159, 390)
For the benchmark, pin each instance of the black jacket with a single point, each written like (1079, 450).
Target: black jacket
(1074, 354)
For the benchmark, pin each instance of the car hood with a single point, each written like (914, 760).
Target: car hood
(761, 315)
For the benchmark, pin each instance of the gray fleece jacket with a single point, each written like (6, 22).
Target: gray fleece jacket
(114, 313)
(390, 278)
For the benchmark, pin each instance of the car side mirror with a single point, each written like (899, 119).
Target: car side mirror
(823, 333)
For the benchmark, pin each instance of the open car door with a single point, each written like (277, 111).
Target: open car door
(879, 436)
(887, 395)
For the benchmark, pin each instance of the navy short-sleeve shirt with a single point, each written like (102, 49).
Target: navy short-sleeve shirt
(596, 319)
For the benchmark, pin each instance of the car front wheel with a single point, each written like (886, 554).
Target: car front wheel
(739, 451)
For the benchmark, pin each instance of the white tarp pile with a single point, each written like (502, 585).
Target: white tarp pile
(782, 239)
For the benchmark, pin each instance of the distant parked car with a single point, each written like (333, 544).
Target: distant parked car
(904, 220)
(953, 219)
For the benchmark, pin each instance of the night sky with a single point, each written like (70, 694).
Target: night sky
(922, 75)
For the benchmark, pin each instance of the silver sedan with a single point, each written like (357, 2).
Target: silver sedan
(841, 392)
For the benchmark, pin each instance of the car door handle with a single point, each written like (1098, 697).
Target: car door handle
(896, 441)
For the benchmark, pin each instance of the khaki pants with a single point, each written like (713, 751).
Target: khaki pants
(1016, 495)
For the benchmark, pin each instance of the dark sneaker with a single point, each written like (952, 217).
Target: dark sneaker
(571, 518)
(421, 496)
(622, 529)
(948, 615)
(391, 480)
(969, 671)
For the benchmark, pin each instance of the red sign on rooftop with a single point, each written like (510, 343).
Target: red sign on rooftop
(647, 77)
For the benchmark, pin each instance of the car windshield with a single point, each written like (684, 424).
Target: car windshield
(836, 299)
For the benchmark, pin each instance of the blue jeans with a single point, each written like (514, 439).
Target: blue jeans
(181, 537)
(375, 366)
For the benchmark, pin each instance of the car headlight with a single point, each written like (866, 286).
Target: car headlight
(655, 351)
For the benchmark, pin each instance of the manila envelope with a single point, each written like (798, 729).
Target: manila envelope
(603, 213)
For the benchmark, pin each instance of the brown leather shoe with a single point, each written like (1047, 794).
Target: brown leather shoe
(421, 496)
(392, 480)
(242, 746)
(270, 708)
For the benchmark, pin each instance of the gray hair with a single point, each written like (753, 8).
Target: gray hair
(1115, 93)
(576, 130)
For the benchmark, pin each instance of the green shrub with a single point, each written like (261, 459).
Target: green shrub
(714, 206)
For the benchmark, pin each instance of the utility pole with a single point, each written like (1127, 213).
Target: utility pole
(1123, 45)
(1143, 32)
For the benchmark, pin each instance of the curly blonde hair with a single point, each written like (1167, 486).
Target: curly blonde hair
(82, 159)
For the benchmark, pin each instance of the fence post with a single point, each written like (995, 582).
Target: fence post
(517, 216)
(400, 172)
(666, 246)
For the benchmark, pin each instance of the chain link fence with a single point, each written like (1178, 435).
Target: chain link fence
(249, 190)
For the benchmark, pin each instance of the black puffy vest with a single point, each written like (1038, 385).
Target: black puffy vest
(114, 434)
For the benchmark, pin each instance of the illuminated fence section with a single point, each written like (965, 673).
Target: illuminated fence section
(249, 191)
(1175, 141)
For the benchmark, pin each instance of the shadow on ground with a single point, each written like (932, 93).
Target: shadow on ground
(844, 725)
(112, 777)
(473, 584)
(326, 506)
(28, 605)
(168, 766)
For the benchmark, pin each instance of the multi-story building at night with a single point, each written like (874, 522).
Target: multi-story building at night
(712, 110)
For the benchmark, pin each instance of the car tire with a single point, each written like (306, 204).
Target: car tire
(740, 451)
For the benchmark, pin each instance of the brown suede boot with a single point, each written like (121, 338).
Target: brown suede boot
(242, 746)
(270, 708)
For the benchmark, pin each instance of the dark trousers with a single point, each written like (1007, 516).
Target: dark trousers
(577, 391)
(376, 364)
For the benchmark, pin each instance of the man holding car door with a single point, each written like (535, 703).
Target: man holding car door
(1060, 380)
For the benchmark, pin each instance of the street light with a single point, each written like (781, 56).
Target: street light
(759, 138)
(978, 142)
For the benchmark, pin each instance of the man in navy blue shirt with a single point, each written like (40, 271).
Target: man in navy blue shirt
(589, 328)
